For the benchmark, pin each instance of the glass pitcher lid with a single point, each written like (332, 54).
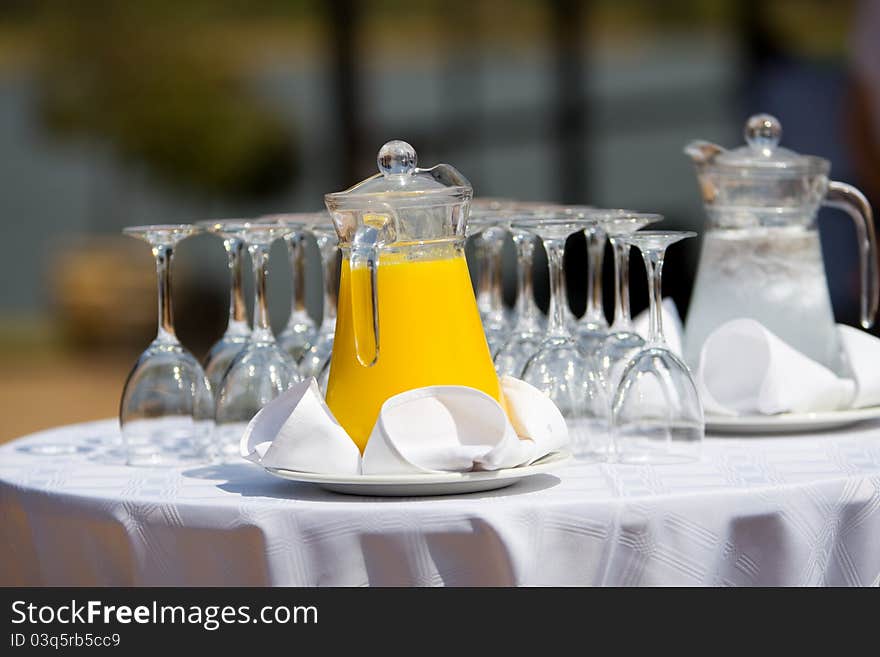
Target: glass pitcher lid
(762, 151)
(401, 183)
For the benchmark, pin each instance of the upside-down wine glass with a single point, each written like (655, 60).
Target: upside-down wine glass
(301, 330)
(529, 332)
(481, 209)
(622, 337)
(238, 330)
(560, 368)
(487, 225)
(262, 370)
(482, 288)
(656, 412)
(474, 231)
(166, 413)
(316, 356)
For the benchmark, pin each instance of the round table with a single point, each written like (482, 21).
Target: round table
(785, 510)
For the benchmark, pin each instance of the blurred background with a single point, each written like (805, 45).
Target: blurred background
(120, 113)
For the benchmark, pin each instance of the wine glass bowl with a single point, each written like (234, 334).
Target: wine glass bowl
(167, 409)
(657, 415)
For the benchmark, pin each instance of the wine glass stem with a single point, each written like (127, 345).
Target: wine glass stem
(298, 267)
(483, 286)
(622, 318)
(654, 267)
(262, 328)
(555, 250)
(237, 307)
(496, 277)
(526, 307)
(596, 257)
(163, 253)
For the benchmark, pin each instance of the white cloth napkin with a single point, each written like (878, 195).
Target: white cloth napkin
(432, 429)
(863, 356)
(297, 431)
(746, 369)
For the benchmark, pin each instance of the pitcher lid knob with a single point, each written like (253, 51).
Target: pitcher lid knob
(396, 158)
(763, 133)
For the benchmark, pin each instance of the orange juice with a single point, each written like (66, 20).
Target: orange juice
(429, 334)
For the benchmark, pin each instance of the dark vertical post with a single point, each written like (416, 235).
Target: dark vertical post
(342, 16)
(570, 135)
(570, 118)
(461, 89)
(758, 48)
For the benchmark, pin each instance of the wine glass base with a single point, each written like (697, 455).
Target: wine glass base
(106, 450)
(110, 455)
(653, 454)
(658, 443)
(167, 441)
(150, 458)
(55, 449)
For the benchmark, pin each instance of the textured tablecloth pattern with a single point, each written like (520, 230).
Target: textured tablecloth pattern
(789, 510)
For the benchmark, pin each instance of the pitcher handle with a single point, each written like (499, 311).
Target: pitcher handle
(853, 202)
(364, 265)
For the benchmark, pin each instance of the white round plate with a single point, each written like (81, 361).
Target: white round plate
(444, 483)
(790, 422)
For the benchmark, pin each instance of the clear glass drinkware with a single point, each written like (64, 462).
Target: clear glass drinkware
(407, 315)
(761, 256)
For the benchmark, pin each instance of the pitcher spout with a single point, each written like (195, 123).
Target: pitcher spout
(702, 152)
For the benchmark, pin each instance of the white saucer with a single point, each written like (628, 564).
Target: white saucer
(790, 422)
(445, 483)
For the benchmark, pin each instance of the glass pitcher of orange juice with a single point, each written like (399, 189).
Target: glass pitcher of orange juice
(407, 316)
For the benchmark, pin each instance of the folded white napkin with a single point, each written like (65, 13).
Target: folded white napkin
(746, 369)
(297, 431)
(863, 357)
(432, 429)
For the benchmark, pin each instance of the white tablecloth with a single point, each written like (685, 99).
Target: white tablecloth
(768, 511)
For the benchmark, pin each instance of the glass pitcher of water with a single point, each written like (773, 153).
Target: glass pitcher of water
(407, 315)
(761, 257)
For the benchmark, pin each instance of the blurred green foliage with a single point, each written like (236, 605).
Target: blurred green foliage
(141, 80)
(167, 84)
